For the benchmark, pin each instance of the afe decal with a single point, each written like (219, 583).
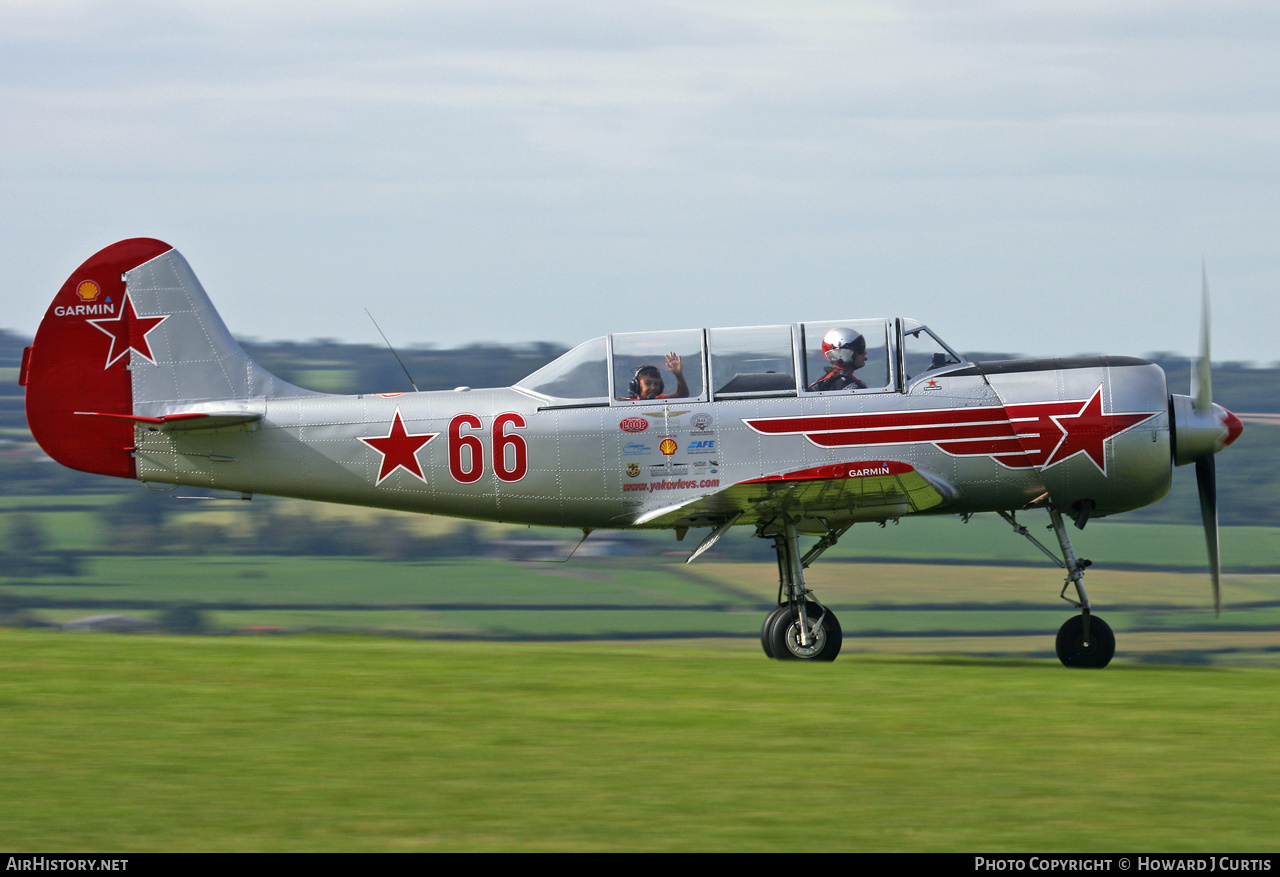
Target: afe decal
(1022, 436)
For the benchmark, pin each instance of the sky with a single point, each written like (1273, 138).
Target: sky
(1045, 178)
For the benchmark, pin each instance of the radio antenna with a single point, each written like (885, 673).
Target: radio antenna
(393, 352)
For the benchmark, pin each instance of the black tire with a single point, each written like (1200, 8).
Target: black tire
(783, 634)
(766, 642)
(1073, 651)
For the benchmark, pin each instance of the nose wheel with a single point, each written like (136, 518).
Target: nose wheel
(1085, 640)
(1078, 649)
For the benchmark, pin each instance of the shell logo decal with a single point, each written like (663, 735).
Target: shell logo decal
(88, 290)
(668, 447)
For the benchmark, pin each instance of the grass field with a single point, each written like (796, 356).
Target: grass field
(157, 743)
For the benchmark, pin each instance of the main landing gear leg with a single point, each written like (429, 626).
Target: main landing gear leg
(799, 628)
(1085, 640)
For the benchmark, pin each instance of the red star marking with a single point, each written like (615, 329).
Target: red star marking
(399, 449)
(1087, 431)
(128, 332)
(933, 383)
(1023, 435)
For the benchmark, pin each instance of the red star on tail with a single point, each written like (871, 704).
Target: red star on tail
(128, 332)
(399, 449)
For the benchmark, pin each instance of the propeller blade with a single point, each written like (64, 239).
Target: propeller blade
(1207, 482)
(1203, 389)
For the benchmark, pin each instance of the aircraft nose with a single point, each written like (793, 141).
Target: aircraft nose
(1199, 434)
(1230, 423)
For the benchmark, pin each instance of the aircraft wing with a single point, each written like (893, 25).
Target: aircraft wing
(819, 497)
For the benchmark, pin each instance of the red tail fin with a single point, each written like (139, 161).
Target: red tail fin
(79, 363)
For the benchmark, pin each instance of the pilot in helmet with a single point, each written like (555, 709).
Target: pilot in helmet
(647, 383)
(846, 350)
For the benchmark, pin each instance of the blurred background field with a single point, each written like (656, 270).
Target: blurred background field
(923, 586)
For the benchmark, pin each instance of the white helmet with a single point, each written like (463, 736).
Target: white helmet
(840, 346)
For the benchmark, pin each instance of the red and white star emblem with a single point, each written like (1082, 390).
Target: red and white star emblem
(1087, 431)
(1023, 435)
(399, 449)
(128, 331)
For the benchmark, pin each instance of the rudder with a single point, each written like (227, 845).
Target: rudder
(74, 364)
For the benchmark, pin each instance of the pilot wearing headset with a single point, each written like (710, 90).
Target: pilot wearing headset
(846, 350)
(647, 383)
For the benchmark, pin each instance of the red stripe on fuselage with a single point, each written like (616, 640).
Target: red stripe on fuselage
(879, 420)
(1019, 436)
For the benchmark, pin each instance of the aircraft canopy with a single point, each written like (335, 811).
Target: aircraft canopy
(741, 362)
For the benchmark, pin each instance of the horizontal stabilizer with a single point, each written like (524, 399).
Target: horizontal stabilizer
(187, 420)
